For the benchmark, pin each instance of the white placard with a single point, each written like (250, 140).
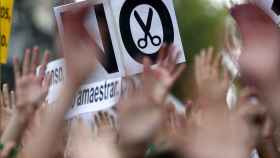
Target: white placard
(143, 26)
(149, 24)
(99, 27)
(272, 7)
(128, 32)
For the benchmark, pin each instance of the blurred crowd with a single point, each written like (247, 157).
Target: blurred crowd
(147, 123)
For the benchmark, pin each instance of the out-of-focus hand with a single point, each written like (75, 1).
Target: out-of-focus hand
(105, 126)
(211, 87)
(259, 61)
(221, 132)
(80, 48)
(257, 27)
(7, 99)
(83, 144)
(31, 90)
(7, 149)
(142, 110)
(165, 73)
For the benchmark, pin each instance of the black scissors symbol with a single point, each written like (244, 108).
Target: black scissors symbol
(143, 42)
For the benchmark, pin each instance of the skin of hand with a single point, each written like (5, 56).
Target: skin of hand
(166, 72)
(34, 128)
(257, 27)
(7, 104)
(211, 126)
(83, 143)
(31, 90)
(141, 112)
(78, 67)
(7, 149)
(173, 126)
(105, 127)
(78, 42)
(210, 86)
(267, 147)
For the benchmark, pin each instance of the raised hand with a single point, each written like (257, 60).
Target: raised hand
(80, 62)
(211, 126)
(141, 113)
(164, 74)
(211, 87)
(80, 49)
(7, 99)
(105, 126)
(82, 143)
(31, 90)
(257, 27)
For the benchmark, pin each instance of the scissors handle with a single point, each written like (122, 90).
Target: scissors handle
(156, 40)
(142, 43)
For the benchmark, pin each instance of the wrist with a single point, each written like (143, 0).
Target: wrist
(20, 117)
(72, 86)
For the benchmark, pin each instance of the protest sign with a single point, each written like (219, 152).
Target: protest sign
(272, 7)
(6, 13)
(124, 38)
(127, 31)
(143, 26)
(98, 27)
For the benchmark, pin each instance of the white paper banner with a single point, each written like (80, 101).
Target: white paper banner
(90, 97)
(96, 96)
(57, 70)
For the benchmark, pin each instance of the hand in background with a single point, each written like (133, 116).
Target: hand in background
(211, 87)
(105, 126)
(211, 126)
(8, 101)
(163, 76)
(80, 50)
(83, 143)
(31, 90)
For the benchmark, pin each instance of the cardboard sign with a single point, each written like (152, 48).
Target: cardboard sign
(124, 38)
(272, 7)
(127, 31)
(6, 13)
(143, 26)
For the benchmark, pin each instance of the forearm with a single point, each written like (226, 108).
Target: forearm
(15, 129)
(52, 125)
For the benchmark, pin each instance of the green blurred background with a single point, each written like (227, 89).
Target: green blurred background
(201, 25)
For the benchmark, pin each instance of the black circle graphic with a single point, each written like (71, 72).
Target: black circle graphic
(125, 14)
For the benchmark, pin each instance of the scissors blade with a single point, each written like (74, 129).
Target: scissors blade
(150, 19)
(140, 21)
